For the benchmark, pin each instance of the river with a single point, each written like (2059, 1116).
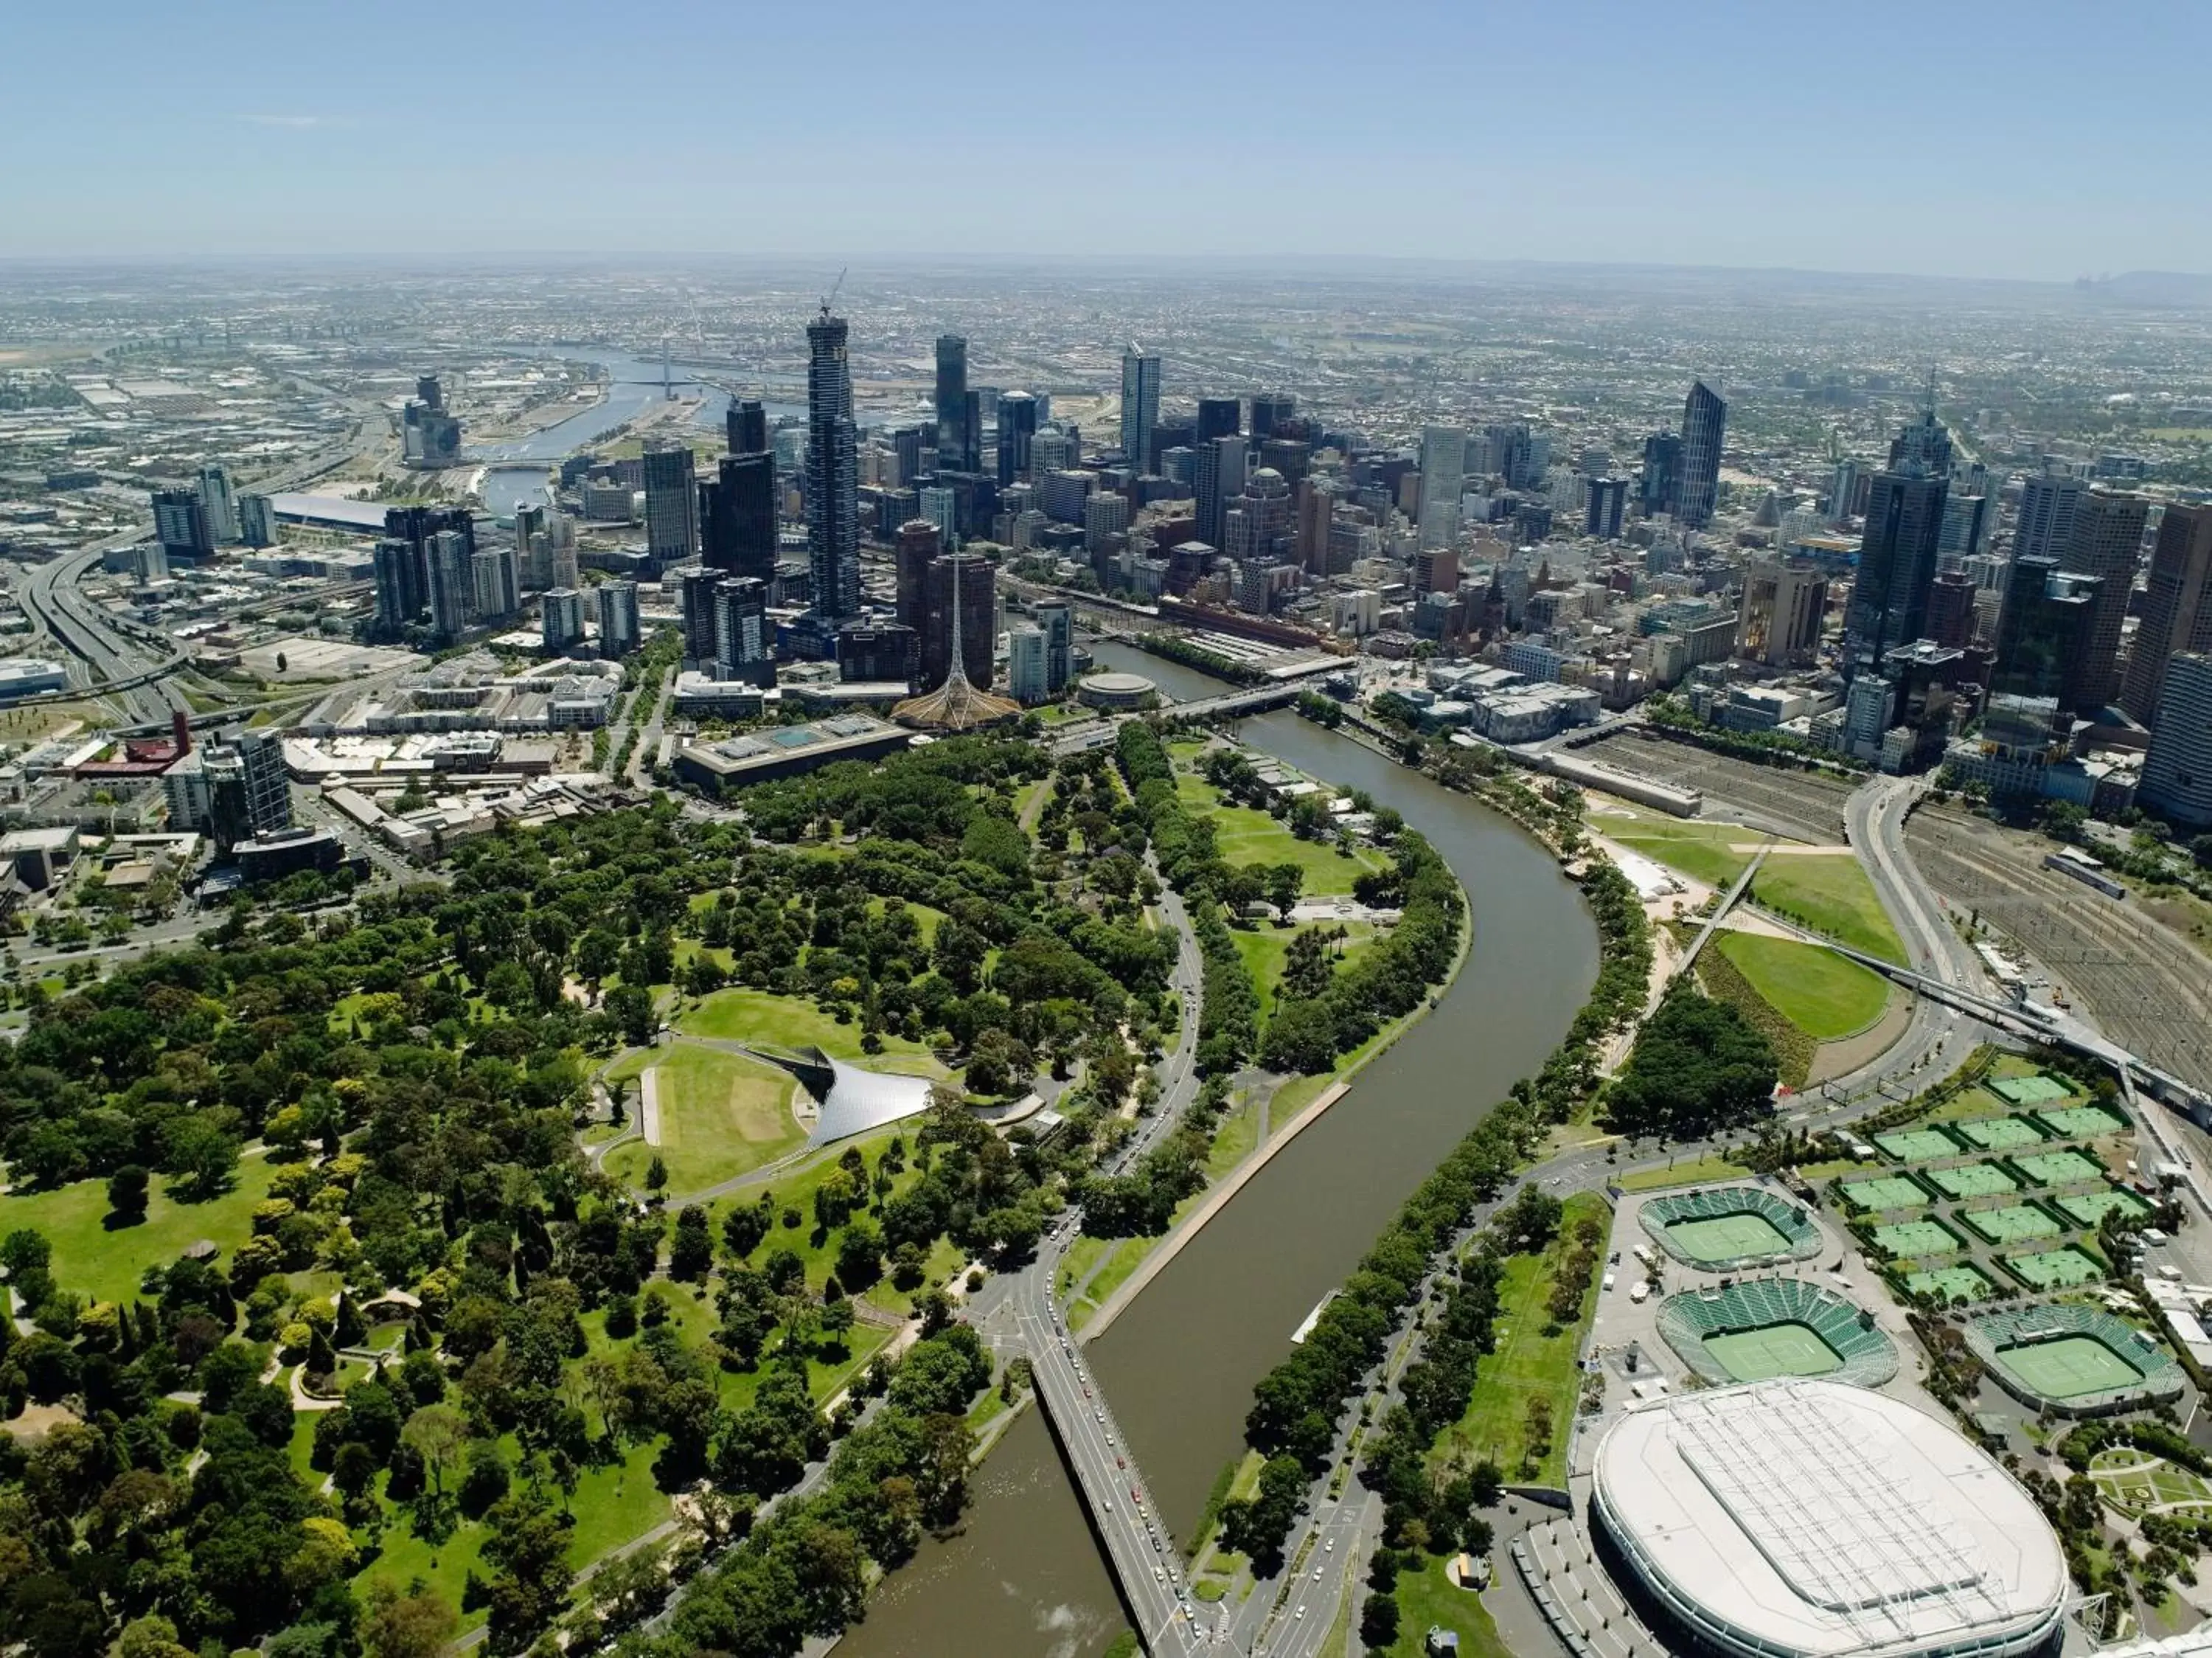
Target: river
(1025, 1577)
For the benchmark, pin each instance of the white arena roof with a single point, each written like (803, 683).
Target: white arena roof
(1806, 1517)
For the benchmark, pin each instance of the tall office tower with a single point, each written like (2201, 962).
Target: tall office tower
(1271, 409)
(1218, 478)
(2177, 777)
(2176, 608)
(1925, 443)
(745, 643)
(1951, 616)
(2048, 502)
(562, 623)
(1966, 518)
(398, 591)
(451, 589)
(1444, 470)
(833, 475)
(618, 623)
(530, 549)
(268, 787)
(1017, 425)
(1105, 517)
(1608, 502)
(739, 526)
(566, 571)
(257, 520)
(970, 576)
(671, 507)
(1056, 618)
(181, 525)
(1897, 564)
(1784, 602)
(1177, 431)
(956, 444)
(1025, 670)
(430, 393)
(1140, 406)
(916, 546)
(1660, 481)
(1218, 417)
(221, 502)
(695, 592)
(908, 443)
(1314, 506)
(2107, 544)
(1705, 427)
(746, 426)
(1434, 572)
(941, 508)
(2043, 633)
(1842, 490)
(1051, 451)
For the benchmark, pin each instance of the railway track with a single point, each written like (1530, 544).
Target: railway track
(1808, 801)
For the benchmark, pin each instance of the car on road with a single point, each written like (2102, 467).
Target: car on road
(1301, 1612)
(1118, 1463)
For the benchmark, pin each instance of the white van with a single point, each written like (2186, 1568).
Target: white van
(1607, 1284)
(1640, 1289)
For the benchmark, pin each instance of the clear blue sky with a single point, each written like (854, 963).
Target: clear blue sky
(1945, 137)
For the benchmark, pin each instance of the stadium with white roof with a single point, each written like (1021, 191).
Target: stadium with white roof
(1806, 1518)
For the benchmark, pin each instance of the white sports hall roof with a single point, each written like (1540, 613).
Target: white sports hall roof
(1806, 1517)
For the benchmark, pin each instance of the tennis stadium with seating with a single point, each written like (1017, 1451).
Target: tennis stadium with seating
(2076, 1360)
(1765, 1327)
(1725, 1228)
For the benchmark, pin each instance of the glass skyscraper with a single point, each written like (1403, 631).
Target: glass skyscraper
(833, 472)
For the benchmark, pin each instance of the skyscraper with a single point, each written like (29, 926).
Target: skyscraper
(671, 507)
(1705, 425)
(744, 641)
(955, 444)
(1017, 425)
(1141, 405)
(1056, 619)
(268, 787)
(1608, 501)
(1271, 409)
(563, 618)
(739, 526)
(1662, 471)
(1219, 479)
(1896, 566)
(452, 588)
(398, 591)
(1784, 606)
(618, 623)
(2176, 608)
(965, 581)
(2043, 634)
(2107, 544)
(220, 500)
(2047, 505)
(1925, 443)
(181, 525)
(1218, 417)
(746, 426)
(1444, 469)
(918, 543)
(2176, 778)
(833, 474)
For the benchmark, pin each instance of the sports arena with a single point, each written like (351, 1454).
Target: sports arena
(1765, 1327)
(1806, 1518)
(2074, 1360)
(1725, 1229)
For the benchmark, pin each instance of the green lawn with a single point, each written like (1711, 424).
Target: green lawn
(1831, 895)
(1527, 1364)
(1695, 1172)
(1245, 835)
(1815, 989)
(1265, 947)
(721, 1115)
(106, 1266)
(744, 1015)
(1699, 850)
(1427, 1600)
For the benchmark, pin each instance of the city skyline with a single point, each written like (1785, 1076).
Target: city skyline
(1804, 170)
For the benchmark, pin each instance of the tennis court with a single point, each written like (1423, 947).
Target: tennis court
(1973, 1180)
(1911, 1239)
(1777, 1350)
(2081, 1122)
(2016, 1223)
(2059, 1168)
(2069, 1367)
(2091, 1207)
(2001, 1133)
(1727, 1237)
(2056, 1269)
(2030, 1090)
(1949, 1283)
(1884, 1192)
(1917, 1145)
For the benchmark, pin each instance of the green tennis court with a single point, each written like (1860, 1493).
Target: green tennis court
(2001, 1133)
(1727, 1237)
(2030, 1090)
(2091, 1207)
(1917, 1145)
(1949, 1283)
(2081, 1122)
(2056, 1269)
(2059, 1168)
(2014, 1224)
(1884, 1192)
(1973, 1180)
(2069, 1367)
(1777, 1349)
(1912, 1240)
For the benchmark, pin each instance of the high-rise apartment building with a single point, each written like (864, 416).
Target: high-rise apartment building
(268, 786)
(1218, 478)
(2177, 778)
(745, 643)
(452, 588)
(1444, 469)
(618, 623)
(956, 447)
(1705, 427)
(1025, 665)
(2048, 502)
(2107, 544)
(1897, 566)
(1056, 618)
(257, 520)
(2043, 634)
(181, 525)
(221, 502)
(399, 595)
(1017, 425)
(974, 579)
(918, 543)
(562, 624)
(671, 507)
(1784, 602)
(1661, 480)
(833, 477)
(745, 426)
(1140, 406)
(739, 526)
(2176, 608)
(1608, 505)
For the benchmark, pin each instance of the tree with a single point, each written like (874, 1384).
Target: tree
(656, 1173)
(437, 1433)
(528, 1543)
(630, 1006)
(416, 1624)
(694, 1249)
(1699, 1067)
(126, 1194)
(1284, 881)
(859, 1255)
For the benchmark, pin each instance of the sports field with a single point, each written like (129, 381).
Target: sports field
(1884, 1192)
(2014, 1224)
(1777, 1350)
(2069, 1367)
(1832, 895)
(2056, 1269)
(2030, 1090)
(1727, 1237)
(2001, 1133)
(1912, 1240)
(1949, 1283)
(1821, 993)
(2081, 1122)
(2059, 1168)
(1973, 1180)
(1917, 1145)
(2091, 1207)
